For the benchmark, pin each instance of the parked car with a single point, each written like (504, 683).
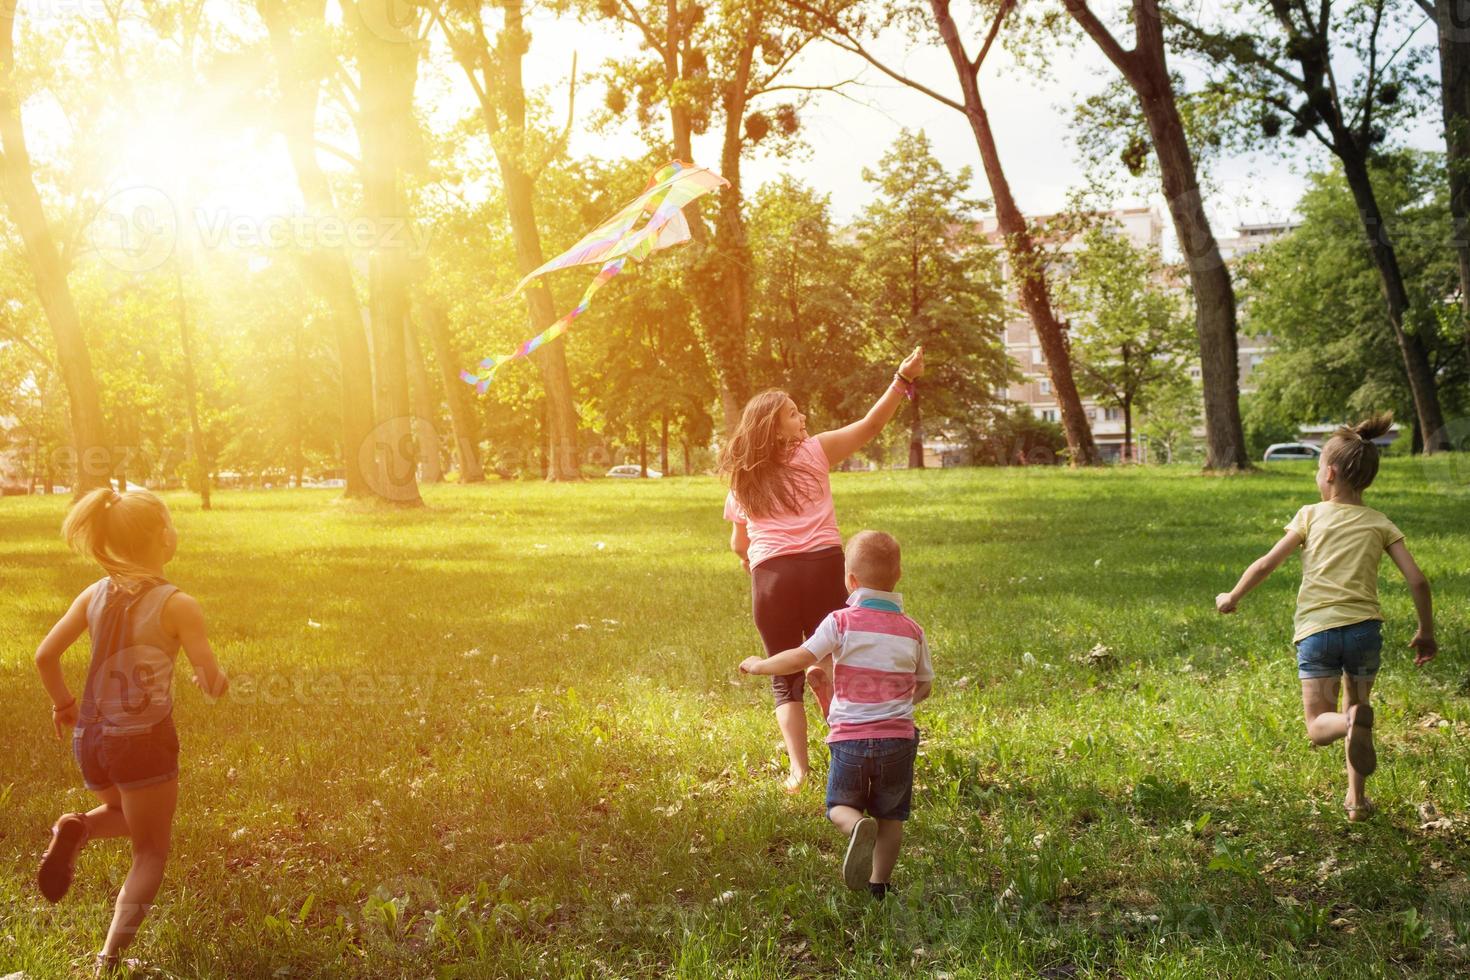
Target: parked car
(1291, 450)
(630, 471)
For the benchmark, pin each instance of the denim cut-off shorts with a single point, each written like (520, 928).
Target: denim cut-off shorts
(129, 762)
(1354, 650)
(874, 775)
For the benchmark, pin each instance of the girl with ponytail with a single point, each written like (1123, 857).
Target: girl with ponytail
(122, 724)
(785, 532)
(1339, 629)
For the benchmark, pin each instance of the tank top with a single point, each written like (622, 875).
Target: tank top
(129, 685)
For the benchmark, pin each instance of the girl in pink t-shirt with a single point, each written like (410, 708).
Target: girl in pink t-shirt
(780, 502)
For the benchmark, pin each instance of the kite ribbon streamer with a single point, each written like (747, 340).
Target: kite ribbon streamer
(614, 242)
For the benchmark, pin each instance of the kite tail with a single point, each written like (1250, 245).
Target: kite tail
(490, 365)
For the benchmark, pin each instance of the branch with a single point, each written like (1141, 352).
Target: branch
(1000, 15)
(806, 88)
(338, 153)
(776, 71)
(853, 46)
(1099, 33)
(643, 28)
(1428, 7)
(12, 334)
(1364, 115)
(1214, 45)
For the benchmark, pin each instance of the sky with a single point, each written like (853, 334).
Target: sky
(248, 174)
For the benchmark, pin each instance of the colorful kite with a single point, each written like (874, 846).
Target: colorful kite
(613, 243)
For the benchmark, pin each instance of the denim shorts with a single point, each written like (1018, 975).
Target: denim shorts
(131, 761)
(875, 775)
(1353, 650)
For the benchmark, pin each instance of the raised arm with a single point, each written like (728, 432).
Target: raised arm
(1259, 571)
(1425, 646)
(841, 443)
(48, 660)
(184, 618)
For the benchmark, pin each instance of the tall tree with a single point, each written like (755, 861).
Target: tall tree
(807, 318)
(303, 60)
(425, 405)
(495, 75)
(1452, 24)
(1145, 67)
(461, 407)
(716, 61)
(49, 267)
(1349, 115)
(387, 49)
(1131, 336)
(928, 278)
(1315, 292)
(843, 23)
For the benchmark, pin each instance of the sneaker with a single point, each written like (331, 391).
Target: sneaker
(879, 890)
(59, 862)
(857, 866)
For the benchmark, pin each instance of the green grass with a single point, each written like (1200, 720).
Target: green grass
(503, 736)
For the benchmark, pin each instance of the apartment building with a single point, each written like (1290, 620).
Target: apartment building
(1143, 227)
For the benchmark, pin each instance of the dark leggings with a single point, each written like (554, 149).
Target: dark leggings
(791, 595)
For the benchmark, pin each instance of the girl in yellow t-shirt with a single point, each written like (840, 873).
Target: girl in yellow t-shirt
(1338, 630)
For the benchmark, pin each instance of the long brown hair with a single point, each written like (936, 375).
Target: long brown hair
(757, 460)
(117, 530)
(1353, 451)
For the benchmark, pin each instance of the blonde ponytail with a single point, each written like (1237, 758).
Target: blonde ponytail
(117, 530)
(1353, 451)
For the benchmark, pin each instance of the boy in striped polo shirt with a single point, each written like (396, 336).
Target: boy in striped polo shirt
(881, 669)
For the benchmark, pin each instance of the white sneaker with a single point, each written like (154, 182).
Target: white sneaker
(857, 866)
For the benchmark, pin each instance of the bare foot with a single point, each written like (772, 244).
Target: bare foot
(821, 685)
(1361, 754)
(794, 782)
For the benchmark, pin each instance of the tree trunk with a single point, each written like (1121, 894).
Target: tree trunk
(461, 408)
(298, 411)
(503, 94)
(1026, 264)
(1127, 430)
(191, 393)
(1416, 361)
(425, 406)
(94, 456)
(1454, 73)
(387, 64)
(550, 359)
(916, 436)
(642, 455)
(1146, 70)
(299, 79)
(663, 446)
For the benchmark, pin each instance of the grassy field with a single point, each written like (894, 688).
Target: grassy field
(503, 736)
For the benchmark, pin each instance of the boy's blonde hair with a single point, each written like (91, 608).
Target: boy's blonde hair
(1352, 450)
(874, 558)
(117, 530)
